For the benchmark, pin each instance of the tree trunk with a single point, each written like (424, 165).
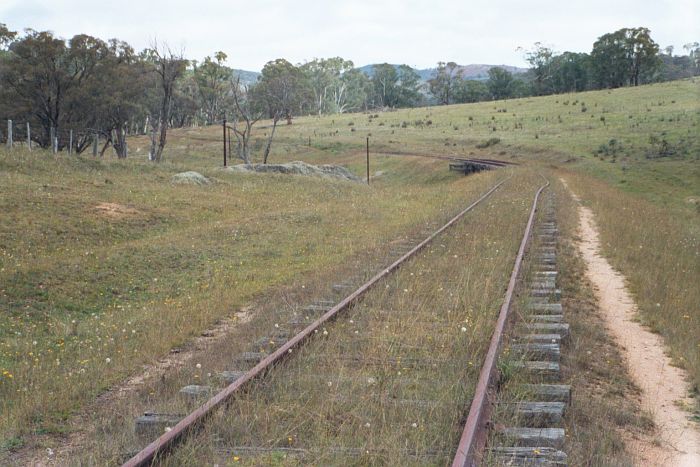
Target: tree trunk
(120, 142)
(154, 144)
(107, 144)
(269, 140)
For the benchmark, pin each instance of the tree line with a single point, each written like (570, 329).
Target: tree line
(106, 90)
(627, 57)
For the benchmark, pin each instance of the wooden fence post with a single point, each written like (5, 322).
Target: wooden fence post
(9, 134)
(52, 139)
(29, 136)
(95, 137)
(70, 143)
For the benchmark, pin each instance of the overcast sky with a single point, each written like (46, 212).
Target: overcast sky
(418, 33)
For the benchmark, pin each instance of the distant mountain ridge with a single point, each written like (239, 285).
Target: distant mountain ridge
(247, 77)
(472, 71)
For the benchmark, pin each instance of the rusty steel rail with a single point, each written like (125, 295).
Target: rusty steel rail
(180, 431)
(473, 437)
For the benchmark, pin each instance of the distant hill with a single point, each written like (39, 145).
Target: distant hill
(473, 71)
(247, 77)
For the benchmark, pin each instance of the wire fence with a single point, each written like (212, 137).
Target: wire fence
(23, 134)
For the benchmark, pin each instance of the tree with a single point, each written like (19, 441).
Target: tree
(643, 53)
(571, 72)
(542, 60)
(395, 86)
(168, 68)
(627, 56)
(693, 50)
(113, 97)
(6, 36)
(43, 79)
(500, 83)
(609, 60)
(385, 83)
(324, 77)
(212, 79)
(281, 89)
(444, 83)
(357, 92)
(470, 90)
(247, 110)
(409, 83)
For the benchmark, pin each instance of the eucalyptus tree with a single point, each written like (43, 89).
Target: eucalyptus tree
(113, 99)
(395, 86)
(543, 65)
(282, 89)
(357, 92)
(212, 78)
(325, 80)
(385, 81)
(500, 83)
(626, 56)
(470, 90)
(445, 82)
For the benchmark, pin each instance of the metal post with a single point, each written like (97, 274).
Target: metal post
(70, 142)
(29, 136)
(224, 142)
(9, 134)
(368, 160)
(229, 142)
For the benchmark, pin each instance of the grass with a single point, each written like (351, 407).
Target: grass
(658, 251)
(167, 262)
(91, 296)
(605, 410)
(389, 381)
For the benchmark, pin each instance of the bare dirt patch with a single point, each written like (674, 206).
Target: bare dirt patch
(664, 387)
(116, 211)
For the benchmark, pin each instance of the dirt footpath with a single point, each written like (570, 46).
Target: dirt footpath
(677, 439)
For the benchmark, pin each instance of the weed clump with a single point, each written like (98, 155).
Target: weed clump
(611, 148)
(489, 142)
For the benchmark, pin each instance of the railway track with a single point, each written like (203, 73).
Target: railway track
(537, 438)
(532, 433)
(252, 365)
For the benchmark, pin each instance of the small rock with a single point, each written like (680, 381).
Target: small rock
(190, 178)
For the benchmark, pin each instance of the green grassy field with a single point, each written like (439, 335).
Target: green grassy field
(105, 265)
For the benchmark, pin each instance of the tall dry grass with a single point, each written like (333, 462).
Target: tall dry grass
(658, 251)
(389, 381)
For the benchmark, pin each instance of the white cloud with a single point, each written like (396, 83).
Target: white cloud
(366, 31)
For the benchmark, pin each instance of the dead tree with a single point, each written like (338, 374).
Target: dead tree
(248, 114)
(168, 68)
